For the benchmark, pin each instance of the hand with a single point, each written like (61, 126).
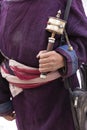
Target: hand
(10, 117)
(50, 61)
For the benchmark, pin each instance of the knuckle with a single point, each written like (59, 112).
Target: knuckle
(53, 59)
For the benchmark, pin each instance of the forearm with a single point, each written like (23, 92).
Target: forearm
(77, 32)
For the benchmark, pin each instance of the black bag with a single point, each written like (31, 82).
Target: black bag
(78, 99)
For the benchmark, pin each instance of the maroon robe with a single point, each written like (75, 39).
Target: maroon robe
(22, 36)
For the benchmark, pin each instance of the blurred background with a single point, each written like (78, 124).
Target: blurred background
(7, 125)
(11, 125)
(85, 6)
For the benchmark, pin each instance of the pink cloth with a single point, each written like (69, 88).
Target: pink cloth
(24, 76)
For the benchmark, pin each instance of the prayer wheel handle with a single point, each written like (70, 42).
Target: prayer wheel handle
(55, 25)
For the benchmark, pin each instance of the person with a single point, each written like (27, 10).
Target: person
(39, 104)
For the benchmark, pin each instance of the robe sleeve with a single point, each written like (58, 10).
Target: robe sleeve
(6, 106)
(77, 32)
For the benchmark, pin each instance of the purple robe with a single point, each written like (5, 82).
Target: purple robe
(22, 36)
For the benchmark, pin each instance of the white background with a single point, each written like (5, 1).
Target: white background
(85, 5)
(7, 125)
(11, 125)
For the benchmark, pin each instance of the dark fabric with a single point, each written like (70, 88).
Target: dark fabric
(6, 108)
(78, 99)
(4, 90)
(22, 36)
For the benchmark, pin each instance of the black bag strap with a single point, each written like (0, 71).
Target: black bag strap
(83, 73)
(67, 80)
(67, 10)
(66, 15)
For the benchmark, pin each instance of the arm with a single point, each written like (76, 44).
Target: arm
(77, 30)
(6, 107)
(5, 102)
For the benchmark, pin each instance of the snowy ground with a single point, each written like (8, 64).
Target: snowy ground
(11, 125)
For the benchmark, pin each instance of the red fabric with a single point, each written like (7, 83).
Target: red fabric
(25, 74)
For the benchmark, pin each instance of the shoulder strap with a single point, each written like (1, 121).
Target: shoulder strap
(67, 10)
(67, 80)
(66, 15)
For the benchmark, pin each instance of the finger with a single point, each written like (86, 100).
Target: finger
(42, 70)
(47, 54)
(44, 55)
(44, 60)
(13, 115)
(41, 52)
(45, 67)
(9, 118)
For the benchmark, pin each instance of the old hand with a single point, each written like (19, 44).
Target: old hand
(50, 61)
(10, 116)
